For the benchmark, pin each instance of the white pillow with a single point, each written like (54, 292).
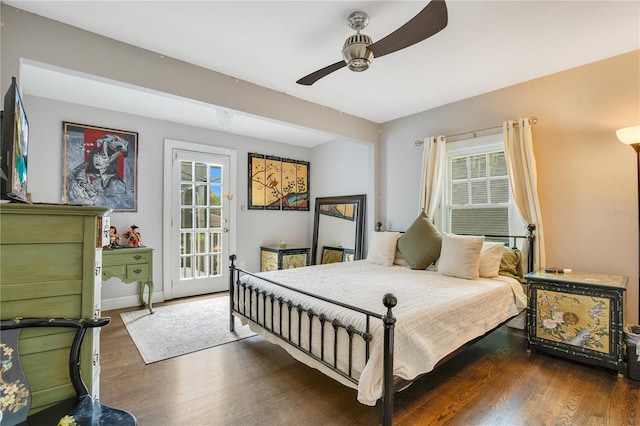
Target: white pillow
(460, 256)
(382, 248)
(490, 258)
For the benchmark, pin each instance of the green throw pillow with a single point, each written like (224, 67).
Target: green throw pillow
(511, 263)
(420, 244)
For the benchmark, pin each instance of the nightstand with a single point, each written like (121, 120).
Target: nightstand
(273, 258)
(577, 315)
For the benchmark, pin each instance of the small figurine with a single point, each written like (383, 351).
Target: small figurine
(134, 239)
(114, 238)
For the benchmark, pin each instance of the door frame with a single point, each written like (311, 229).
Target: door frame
(169, 146)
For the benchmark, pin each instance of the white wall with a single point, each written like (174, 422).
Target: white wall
(254, 227)
(586, 177)
(342, 167)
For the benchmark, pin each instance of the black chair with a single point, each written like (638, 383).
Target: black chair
(15, 395)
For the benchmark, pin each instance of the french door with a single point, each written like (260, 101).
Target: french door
(200, 221)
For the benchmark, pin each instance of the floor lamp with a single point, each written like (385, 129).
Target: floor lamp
(631, 136)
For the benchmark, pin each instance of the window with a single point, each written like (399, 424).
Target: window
(477, 195)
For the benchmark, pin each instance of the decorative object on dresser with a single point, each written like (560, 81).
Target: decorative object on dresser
(631, 137)
(577, 315)
(100, 167)
(114, 238)
(130, 264)
(273, 258)
(16, 393)
(339, 222)
(51, 268)
(133, 237)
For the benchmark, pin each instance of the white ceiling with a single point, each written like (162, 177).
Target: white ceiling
(487, 45)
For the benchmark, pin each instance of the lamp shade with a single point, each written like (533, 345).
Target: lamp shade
(629, 135)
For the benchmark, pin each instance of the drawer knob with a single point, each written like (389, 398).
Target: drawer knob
(137, 256)
(137, 270)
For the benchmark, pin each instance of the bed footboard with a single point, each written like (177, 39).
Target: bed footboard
(275, 314)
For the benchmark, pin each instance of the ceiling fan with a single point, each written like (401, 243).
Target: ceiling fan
(358, 50)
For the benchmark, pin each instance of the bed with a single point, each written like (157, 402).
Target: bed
(370, 326)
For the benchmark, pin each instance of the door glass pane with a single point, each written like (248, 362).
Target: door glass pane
(215, 265)
(201, 242)
(215, 174)
(201, 194)
(201, 172)
(201, 217)
(186, 243)
(216, 242)
(201, 266)
(186, 218)
(186, 194)
(186, 271)
(216, 218)
(186, 170)
(215, 194)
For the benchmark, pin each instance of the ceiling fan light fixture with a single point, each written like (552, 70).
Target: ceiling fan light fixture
(356, 52)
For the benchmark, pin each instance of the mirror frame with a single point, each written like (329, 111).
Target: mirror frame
(361, 205)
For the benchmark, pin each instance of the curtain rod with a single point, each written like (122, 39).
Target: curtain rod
(532, 121)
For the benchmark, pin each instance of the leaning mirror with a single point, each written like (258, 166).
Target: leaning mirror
(338, 229)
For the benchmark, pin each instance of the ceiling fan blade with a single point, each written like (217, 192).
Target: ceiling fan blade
(432, 19)
(315, 76)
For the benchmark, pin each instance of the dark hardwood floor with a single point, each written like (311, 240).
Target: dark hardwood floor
(251, 382)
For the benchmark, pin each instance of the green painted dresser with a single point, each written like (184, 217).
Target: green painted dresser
(50, 267)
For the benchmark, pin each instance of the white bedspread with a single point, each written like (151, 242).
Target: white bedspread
(435, 314)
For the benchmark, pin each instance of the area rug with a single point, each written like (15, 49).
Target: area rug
(182, 328)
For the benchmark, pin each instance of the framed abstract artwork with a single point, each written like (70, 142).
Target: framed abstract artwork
(276, 183)
(100, 167)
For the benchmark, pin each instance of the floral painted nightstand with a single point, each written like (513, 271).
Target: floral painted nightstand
(274, 258)
(577, 315)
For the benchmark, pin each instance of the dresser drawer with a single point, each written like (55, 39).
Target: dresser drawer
(113, 271)
(137, 272)
(125, 258)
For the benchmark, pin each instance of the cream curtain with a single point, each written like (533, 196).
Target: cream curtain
(433, 163)
(521, 165)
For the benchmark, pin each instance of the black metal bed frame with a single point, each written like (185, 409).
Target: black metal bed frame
(240, 293)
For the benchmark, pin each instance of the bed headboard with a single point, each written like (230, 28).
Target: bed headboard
(512, 240)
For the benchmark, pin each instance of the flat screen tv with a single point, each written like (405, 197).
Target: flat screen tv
(15, 141)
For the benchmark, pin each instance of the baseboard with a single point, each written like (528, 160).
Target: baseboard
(128, 301)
